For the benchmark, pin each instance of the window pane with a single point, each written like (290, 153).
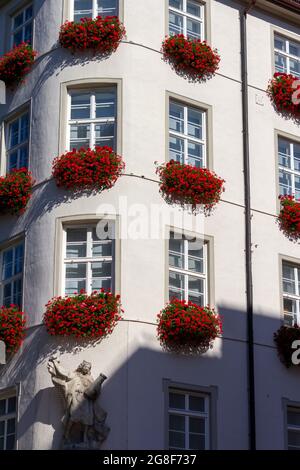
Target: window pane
(76, 251)
(295, 67)
(194, 9)
(11, 425)
(108, 7)
(177, 401)
(18, 37)
(28, 33)
(197, 442)
(285, 182)
(18, 20)
(280, 63)
(80, 106)
(176, 423)
(102, 249)
(176, 147)
(284, 153)
(80, 136)
(23, 157)
(19, 252)
(196, 284)
(193, 29)
(176, 4)
(295, 49)
(297, 156)
(12, 404)
(195, 123)
(28, 13)
(197, 425)
(7, 265)
(294, 438)
(2, 407)
(7, 295)
(76, 235)
(76, 271)
(14, 133)
(293, 418)
(83, 9)
(175, 23)
(105, 104)
(280, 43)
(17, 289)
(1, 443)
(195, 153)
(24, 128)
(10, 442)
(74, 287)
(176, 117)
(196, 404)
(289, 279)
(2, 426)
(13, 160)
(98, 284)
(177, 440)
(176, 285)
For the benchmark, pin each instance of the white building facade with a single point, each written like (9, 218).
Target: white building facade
(134, 101)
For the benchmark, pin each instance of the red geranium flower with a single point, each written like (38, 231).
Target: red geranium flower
(12, 327)
(100, 34)
(14, 65)
(186, 327)
(191, 58)
(284, 93)
(15, 191)
(83, 316)
(289, 217)
(284, 339)
(88, 169)
(188, 185)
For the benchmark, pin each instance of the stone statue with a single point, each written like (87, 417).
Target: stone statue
(83, 411)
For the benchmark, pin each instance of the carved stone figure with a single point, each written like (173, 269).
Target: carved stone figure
(84, 419)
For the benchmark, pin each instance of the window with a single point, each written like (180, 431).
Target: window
(18, 142)
(187, 17)
(89, 261)
(188, 420)
(293, 428)
(94, 8)
(289, 167)
(8, 418)
(12, 275)
(287, 55)
(187, 134)
(22, 24)
(187, 269)
(93, 118)
(291, 293)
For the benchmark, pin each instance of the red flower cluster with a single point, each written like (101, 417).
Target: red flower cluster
(87, 169)
(186, 184)
(284, 339)
(15, 191)
(284, 92)
(100, 34)
(14, 65)
(91, 316)
(184, 326)
(12, 327)
(289, 217)
(191, 58)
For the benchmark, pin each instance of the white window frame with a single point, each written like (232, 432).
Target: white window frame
(9, 149)
(94, 10)
(184, 13)
(22, 27)
(287, 54)
(289, 296)
(291, 427)
(89, 259)
(93, 120)
(16, 277)
(185, 136)
(188, 273)
(193, 414)
(7, 417)
(291, 171)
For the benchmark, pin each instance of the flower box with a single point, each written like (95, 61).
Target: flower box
(284, 339)
(190, 58)
(284, 93)
(102, 35)
(15, 64)
(83, 316)
(88, 169)
(12, 327)
(186, 327)
(15, 191)
(289, 217)
(188, 185)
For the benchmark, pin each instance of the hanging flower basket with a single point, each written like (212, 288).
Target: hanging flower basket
(289, 217)
(188, 185)
(284, 92)
(284, 339)
(102, 35)
(88, 169)
(83, 316)
(190, 58)
(15, 191)
(186, 327)
(12, 327)
(14, 65)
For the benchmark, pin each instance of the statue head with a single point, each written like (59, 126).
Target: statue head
(84, 368)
